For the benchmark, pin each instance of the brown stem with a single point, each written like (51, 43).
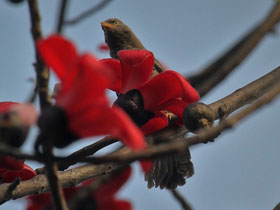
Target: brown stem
(61, 15)
(181, 200)
(217, 71)
(42, 72)
(55, 186)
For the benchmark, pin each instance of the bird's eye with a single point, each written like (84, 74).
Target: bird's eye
(116, 23)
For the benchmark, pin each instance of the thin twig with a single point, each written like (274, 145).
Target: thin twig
(42, 72)
(61, 15)
(181, 200)
(213, 74)
(85, 151)
(87, 13)
(55, 186)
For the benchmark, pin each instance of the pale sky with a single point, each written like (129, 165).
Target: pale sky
(241, 169)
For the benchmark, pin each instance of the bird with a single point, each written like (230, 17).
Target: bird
(119, 36)
(169, 171)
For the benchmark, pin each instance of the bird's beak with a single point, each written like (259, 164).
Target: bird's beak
(106, 25)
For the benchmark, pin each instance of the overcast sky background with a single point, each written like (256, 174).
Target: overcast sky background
(241, 169)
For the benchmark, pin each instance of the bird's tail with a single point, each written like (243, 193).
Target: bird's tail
(171, 170)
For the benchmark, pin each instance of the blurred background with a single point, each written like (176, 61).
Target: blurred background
(241, 169)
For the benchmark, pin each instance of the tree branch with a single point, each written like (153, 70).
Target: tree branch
(213, 74)
(246, 94)
(42, 72)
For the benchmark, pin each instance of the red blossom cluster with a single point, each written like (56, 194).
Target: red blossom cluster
(82, 109)
(82, 98)
(167, 91)
(11, 168)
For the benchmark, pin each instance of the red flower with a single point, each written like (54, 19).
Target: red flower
(9, 174)
(82, 95)
(14, 135)
(167, 91)
(26, 113)
(102, 199)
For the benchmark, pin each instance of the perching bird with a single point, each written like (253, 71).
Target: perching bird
(119, 36)
(169, 171)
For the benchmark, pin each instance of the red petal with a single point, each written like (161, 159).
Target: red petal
(157, 123)
(101, 120)
(114, 66)
(26, 112)
(5, 106)
(110, 188)
(88, 89)
(24, 174)
(27, 173)
(10, 163)
(61, 55)
(137, 67)
(166, 86)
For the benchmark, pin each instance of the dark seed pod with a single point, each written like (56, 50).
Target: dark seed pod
(12, 132)
(132, 103)
(198, 115)
(53, 123)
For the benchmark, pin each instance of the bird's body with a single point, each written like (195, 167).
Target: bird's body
(119, 36)
(169, 171)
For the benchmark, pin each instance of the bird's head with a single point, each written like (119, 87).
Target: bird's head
(114, 25)
(116, 32)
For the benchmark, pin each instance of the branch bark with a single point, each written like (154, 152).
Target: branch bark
(246, 94)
